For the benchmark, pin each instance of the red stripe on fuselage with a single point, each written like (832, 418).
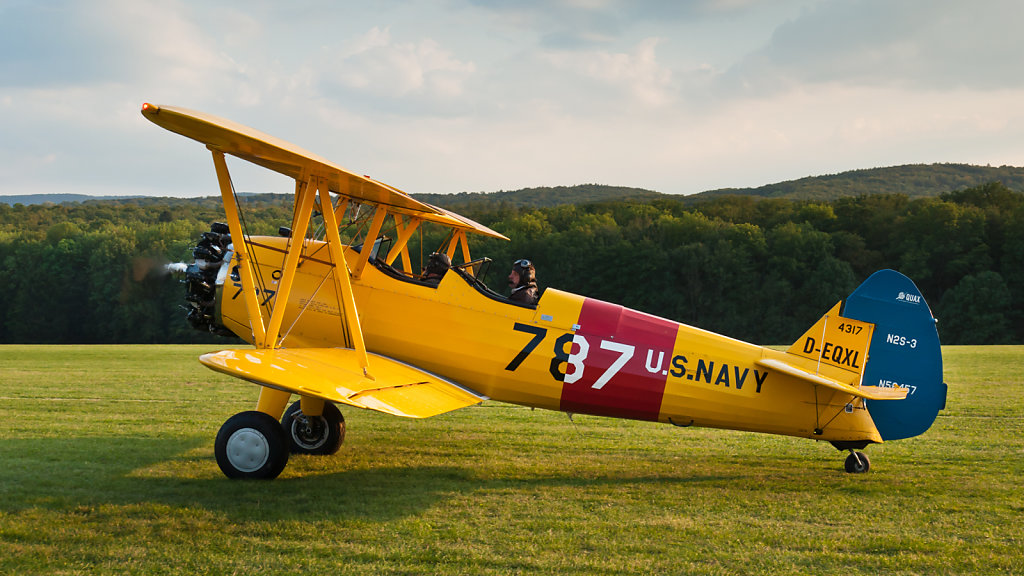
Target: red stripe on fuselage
(613, 334)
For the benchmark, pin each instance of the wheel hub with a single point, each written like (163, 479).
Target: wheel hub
(248, 450)
(310, 433)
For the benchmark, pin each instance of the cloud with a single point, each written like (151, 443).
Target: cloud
(636, 74)
(379, 71)
(61, 44)
(51, 45)
(485, 95)
(928, 44)
(586, 24)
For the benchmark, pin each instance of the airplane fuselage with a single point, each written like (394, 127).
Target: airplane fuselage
(568, 353)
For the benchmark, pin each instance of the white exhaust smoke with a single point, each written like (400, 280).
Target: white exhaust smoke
(176, 268)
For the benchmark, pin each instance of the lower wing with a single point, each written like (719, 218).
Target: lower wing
(335, 375)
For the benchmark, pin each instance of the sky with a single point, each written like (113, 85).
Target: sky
(448, 96)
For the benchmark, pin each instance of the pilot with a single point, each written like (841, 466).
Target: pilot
(437, 265)
(523, 282)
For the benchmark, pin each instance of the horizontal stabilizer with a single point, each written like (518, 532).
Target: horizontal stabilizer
(335, 375)
(869, 392)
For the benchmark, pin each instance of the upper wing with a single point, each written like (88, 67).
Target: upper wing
(288, 159)
(334, 374)
(869, 392)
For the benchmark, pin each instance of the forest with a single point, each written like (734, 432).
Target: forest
(754, 268)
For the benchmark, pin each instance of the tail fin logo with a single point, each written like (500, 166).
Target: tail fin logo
(912, 298)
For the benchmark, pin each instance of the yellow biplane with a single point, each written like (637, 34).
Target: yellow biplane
(348, 321)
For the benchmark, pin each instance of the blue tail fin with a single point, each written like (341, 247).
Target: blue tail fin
(904, 350)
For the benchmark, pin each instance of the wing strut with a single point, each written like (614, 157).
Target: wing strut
(371, 238)
(342, 283)
(252, 304)
(304, 209)
(459, 237)
(401, 246)
(266, 335)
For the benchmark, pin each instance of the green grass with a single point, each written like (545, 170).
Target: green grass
(106, 467)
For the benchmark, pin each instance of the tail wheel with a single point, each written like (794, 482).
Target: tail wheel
(251, 445)
(319, 435)
(857, 462)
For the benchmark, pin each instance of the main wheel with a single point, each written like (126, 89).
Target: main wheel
(857, 463)
(319, 435)
(251, 445)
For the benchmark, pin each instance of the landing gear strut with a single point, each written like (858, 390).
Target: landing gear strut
(857, 462)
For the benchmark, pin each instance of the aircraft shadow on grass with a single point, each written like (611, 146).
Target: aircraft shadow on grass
(62, 473)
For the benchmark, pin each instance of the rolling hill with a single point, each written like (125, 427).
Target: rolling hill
(913, 180)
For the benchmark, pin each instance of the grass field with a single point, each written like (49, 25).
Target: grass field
(106, 467)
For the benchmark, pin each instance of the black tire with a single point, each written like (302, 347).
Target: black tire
(320, 435)
(251, 445)
(857, 463)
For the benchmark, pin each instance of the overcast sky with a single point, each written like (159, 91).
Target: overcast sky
(482, 95)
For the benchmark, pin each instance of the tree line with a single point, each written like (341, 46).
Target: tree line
(761, 270)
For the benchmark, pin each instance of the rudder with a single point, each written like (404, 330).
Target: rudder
(904, 351)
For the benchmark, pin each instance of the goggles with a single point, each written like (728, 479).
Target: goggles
(522, 263)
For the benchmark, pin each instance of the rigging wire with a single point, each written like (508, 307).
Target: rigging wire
(258, 274)
(840, 411)
(304, 306)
